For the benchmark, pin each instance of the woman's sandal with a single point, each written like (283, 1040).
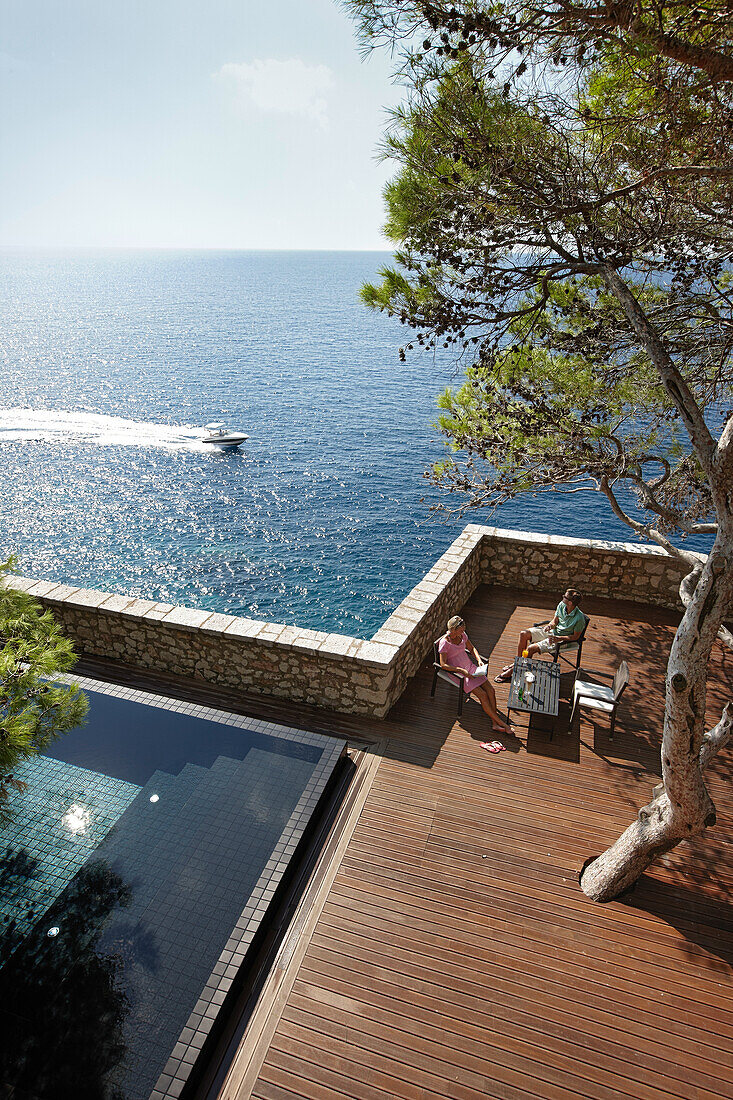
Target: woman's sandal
(492, 746)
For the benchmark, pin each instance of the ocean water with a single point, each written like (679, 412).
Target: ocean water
(113, 361)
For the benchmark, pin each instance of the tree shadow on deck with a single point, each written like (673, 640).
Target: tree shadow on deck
(694, 902)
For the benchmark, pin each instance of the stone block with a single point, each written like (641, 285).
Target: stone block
(20, 584)
(369, 695)
(136, 609)
(308, 641)
(190, 618)
(378, 653)
(41, 589)
(270, 632)
(431, 588)
(217, 623)
(288, 636)
(243, 628)
(389, 635)
(158, 611)
(115, 603)
(89, 597)
(420, 599)
(338, 645)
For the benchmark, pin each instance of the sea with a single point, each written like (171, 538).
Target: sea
(114, 361)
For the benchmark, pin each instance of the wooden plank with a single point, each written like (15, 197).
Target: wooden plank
(575, 1015)
(424, 1042)
(526, 1012)
(627, 1018)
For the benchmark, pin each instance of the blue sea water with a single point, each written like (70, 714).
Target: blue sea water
(113, 361)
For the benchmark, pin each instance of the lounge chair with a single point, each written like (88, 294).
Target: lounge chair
(449, 677)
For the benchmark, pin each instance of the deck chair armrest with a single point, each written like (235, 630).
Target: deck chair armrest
(543, 623)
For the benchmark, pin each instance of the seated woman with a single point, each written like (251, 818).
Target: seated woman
(454, 658)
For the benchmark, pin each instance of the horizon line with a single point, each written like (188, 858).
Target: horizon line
(170, 248)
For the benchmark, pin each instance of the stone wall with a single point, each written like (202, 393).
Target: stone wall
(336, 671)
(548, 563)
(331, 670)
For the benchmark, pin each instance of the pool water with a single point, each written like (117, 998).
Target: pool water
(136, 872)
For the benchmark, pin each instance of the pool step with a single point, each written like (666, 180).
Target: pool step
(145, 824)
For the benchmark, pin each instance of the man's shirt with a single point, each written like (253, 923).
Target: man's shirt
(568, 624)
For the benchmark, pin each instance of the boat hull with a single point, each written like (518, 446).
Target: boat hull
(228, 442)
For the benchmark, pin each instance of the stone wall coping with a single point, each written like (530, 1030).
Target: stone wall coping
(45, 590)
(112, 603)
(378, 653)
(89, 597)
(217, 622)
(607, 546)
(155, 613)
(244, 628)
(136, 609)
(189, 617)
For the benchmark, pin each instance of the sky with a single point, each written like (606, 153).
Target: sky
(174, 124)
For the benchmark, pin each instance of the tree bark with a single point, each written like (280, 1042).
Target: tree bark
(657, 830)
(685, 807)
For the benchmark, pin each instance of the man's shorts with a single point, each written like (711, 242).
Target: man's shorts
(540, 637)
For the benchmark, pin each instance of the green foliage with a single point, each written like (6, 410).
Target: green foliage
(541, 159)
(35, 708)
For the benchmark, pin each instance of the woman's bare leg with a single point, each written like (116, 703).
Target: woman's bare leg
(486, 697)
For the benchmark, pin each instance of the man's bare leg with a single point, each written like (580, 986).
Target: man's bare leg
(525, 643)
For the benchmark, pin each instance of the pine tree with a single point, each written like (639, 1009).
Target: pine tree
(563, 212)
(35, 706)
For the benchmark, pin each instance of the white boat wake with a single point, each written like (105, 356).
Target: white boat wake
(58, 426)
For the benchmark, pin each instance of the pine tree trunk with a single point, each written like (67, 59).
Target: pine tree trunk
(685, 809)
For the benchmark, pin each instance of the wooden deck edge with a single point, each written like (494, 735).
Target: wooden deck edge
(245, 1068)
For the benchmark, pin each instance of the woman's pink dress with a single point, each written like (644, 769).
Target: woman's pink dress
(456, 656)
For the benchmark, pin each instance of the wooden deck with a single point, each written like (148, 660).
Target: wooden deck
(456, 956)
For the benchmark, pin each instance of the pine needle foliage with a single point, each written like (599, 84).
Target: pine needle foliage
(563, 220)
(35, 707)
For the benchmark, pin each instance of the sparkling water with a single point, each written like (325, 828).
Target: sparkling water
(112, 363)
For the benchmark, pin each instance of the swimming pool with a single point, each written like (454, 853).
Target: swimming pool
(135, 874)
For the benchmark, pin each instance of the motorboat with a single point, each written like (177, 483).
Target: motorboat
(220, 436)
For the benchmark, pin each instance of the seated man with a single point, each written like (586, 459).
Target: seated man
(454, 658)
(567, 625)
